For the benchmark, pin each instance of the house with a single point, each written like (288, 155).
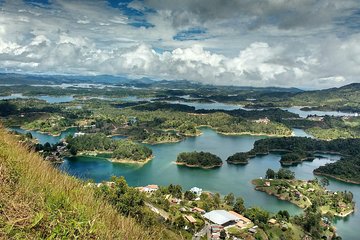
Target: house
(78, 134)
(272, 221)
(315, 118)
(175, 200)
(242, 222)
(267, 184)
(199, 210)
(190, 219)
(150, 188)
(262, 120)
(197, 191)
(253, 230)
(216, 228)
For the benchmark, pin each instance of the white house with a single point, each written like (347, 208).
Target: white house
(196, 190)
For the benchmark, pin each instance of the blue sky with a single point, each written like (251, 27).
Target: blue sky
(310, 43)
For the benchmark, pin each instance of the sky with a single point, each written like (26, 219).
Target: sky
(287, 43)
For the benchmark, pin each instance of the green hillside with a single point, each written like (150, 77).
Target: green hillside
(39, 202)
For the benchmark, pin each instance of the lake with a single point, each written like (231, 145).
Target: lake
(224, 106)
(229, 178)
(44, 137)
(304, 114)
(49, 99)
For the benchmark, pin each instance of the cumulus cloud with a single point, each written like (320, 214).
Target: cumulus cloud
(275, 43)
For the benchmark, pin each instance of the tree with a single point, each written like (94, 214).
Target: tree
(229, 199)
(29, 135)
(73, 150)
(284, 173)
(239, 205)
(223, 234)
(270, 174)
(179, 222)
(257, 214)
(324, 182)
(216, 199)
(175, 190)
(189, 195)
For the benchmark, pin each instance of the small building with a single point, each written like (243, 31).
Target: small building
(253, 230)
(267, 184)
(221, 217)
(216, 228)
(198, 210)
(78, 134)
(150, 188)
(175, 200)
(262, 120)
(190, 219)
(197, 191)
(272, 221)
(243, 221)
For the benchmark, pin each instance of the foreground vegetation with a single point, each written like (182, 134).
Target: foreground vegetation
(38, 202)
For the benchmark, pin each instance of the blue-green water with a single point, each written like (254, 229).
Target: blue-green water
(304, 114)
(229, 178)
(49, 99)
(43, 137)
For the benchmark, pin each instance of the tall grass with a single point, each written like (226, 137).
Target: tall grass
(39, 202)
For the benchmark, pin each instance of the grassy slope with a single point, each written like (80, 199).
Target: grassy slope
(37, 201)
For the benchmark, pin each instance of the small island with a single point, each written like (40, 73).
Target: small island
(306, 193)
(296, 157)
(201, 159)
(123, 151)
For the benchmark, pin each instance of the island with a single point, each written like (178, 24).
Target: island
(297, 149)
(124, 151)
(347, 169)
(309, 193)
(201, 159)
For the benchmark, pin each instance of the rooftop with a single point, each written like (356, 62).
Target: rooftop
(241, 217)
(220, 216)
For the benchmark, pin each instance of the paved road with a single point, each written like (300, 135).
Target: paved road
(204, 231)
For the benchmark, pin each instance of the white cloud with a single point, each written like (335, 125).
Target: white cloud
(92, 38)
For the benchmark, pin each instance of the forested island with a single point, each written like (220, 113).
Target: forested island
(298, 149)
(117, 150)
(346, 169)
(199, 159)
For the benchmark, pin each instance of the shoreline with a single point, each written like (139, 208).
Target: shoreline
(262, 189)
(115, 160)
(129, 161)
(337, 178)
(197, 166)
(252, 134)
(47, 133)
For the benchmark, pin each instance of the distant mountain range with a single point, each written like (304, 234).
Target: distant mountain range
(14, 78)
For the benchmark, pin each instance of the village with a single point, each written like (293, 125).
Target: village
(200, 214)
(214, 224)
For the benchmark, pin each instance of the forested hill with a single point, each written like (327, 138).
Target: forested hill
(349, 92)
(346, 98)
(39, 202)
